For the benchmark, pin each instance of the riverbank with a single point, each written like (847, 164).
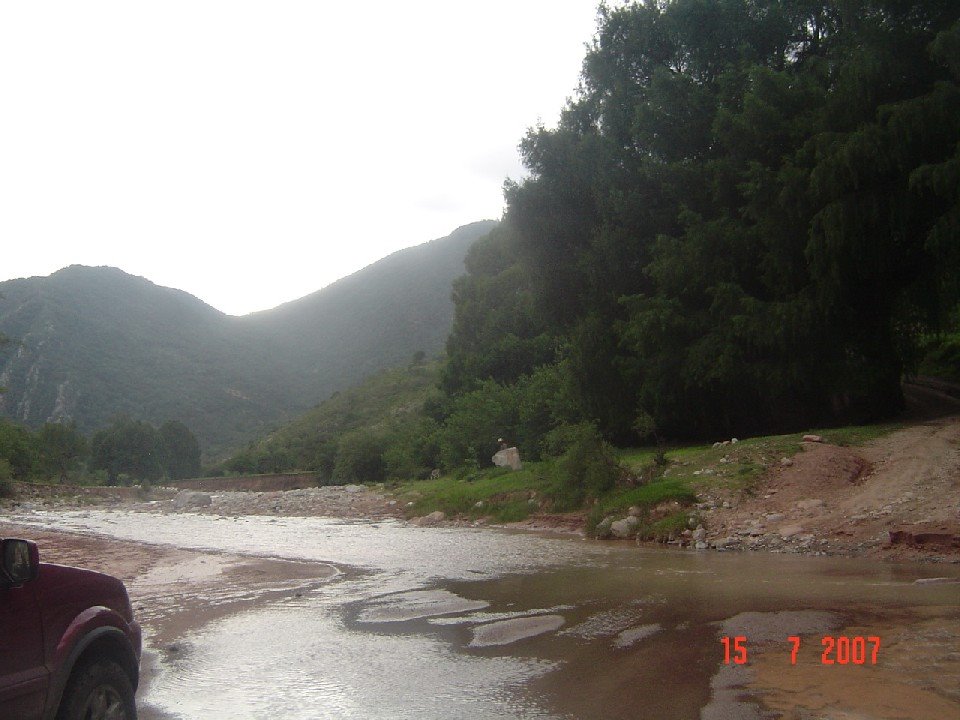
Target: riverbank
(890, 492)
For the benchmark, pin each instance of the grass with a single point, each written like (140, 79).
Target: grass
(505, 495)
(691, 469)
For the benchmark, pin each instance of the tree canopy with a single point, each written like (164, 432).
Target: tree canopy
(745, 220)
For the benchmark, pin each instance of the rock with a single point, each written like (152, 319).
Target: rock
(434, 518)
(624, 528)
(717, 444)
(809, 504)
(353, 488)
(786, 462)
(788, 531)
(700, 545)
(700, 534)
(190, 498)
(727, 505)
(508, 457)
(733, 441)
(602, 530)
(722, 543)
(634, 511)
(774, 517)
(813, 438)
(478, 504)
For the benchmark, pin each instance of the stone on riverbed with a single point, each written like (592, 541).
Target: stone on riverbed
(434, 518)
(190, 498)
(602, 531)
(624, 528)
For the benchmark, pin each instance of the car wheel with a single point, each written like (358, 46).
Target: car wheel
(100, 691)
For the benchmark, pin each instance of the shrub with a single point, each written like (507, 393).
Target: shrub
(359, 458)
(6, 480)
(587, 468)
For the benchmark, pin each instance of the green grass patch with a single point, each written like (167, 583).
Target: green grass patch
(505, 494)
(665, 528)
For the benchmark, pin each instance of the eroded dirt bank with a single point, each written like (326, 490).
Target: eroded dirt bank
(897, 497)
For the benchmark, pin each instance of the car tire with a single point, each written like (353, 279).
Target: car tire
(99, 691)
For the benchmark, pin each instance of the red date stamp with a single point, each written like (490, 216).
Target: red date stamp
(837, 649)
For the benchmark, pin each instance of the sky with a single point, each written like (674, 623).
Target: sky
(252, 152)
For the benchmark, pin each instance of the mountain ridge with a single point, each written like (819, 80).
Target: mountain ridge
(95, 341)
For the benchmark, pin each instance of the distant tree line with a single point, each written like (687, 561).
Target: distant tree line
(124, 452)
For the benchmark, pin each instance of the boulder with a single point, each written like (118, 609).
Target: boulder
(721, 543)
(786, 462)
(624, 528)
(602, 530)
(508, 457)
(813, 438)
(788, 531)
(700, 534)
(434, 518)
(191, 498)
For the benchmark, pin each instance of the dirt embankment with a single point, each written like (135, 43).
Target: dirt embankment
(898, 496)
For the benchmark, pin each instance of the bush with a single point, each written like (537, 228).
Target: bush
(359, 458)
(587, 468)
(6, 480)
(941, 358)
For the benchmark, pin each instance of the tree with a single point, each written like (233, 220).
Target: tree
(181, 451)
(60, 448)
(17, 447)
(129, 447)
(359, 458)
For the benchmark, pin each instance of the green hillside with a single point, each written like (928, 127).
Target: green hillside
(92, 343)
(382, 423)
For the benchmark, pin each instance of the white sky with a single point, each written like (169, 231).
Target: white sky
(251, 152)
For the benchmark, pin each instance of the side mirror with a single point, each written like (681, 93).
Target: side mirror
(19, 562)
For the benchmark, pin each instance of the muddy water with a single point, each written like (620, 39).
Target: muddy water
(440, 623)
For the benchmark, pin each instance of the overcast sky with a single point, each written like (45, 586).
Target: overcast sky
(253, 152)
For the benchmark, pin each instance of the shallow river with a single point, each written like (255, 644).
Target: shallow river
(462, 623)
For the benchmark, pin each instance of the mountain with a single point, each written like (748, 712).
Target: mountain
(90, 343)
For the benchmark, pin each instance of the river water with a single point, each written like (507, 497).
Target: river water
(479, 623)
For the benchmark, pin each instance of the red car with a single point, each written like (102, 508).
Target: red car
(69, 646)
